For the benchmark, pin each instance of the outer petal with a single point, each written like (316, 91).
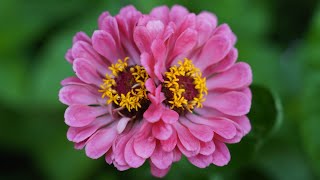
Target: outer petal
(105, 45)
(237, 77)
(158, 172)
(161, 159)
(81, 115)
(144, 144)
(87, 72)
(153, 113)
(100, 142)
(131, 157)
(189, 142)
(232, 103)
(201, 161)
(221, 156)
(162, 131)
(75, 94)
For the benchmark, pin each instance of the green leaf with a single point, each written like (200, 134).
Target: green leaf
(265, 114)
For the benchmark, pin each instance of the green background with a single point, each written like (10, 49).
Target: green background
(279, 39)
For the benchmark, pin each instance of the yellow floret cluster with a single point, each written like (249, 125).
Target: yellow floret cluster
(138, 92)
(186, 69)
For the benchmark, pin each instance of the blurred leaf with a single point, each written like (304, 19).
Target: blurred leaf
(310, 123)
(265, 114)
(14, 83)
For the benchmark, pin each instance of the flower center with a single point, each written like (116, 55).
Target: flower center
(126, 89)
(184, 87)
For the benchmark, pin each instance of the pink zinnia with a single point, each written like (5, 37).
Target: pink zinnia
(156, 86)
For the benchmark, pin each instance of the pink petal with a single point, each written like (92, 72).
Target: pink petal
(238, 76)
(153, 113)
(201, 132)
(207, 148)
(148, 63)
(101, 18)
(201, 161)
(78, 134)
(186, 152)
(144, 144)
(161, 131)
(178, 13)
(105, 45)
(232, 103)
(109, 157)
(244, 123)
(161, 159)
(80, 145)
(170, 143)
(109, 24)
(131, 157)
(162, 13)
(185, 42)
(158, 49)
(216, 48)
(142, 38)
(221, 126)
(85, 50)
(75, 94)
(81, 115)
(186, 138)
(150, 86)
(158, 172)
(81, 36)
(176, 155)
(189, 21)
(247, 92)
(71, 81)
(221, 156)
(170, 116)
(155, 28)
(223, 65)
(224, 29)
(86, 72)
(68, 56)
(119, 147)
(100, 142)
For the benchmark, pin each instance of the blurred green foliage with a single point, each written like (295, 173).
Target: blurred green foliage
(279, 39)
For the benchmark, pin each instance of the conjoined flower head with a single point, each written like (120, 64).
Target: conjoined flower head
(153, 87)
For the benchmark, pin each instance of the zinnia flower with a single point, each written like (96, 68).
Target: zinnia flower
(156, 86)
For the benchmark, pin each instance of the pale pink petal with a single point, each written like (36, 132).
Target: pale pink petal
(109, 24)
(82, 115)
(71, 81)
(216, 48)
(118, 148)
(244, 123)
(150, 86)
(78, 134)
(100, 142)
(162, 131)
(238, 76)
(80, 145)
(186, 152)
(189, 21)
(221, 155)
(161, 159)
(232, 103)
(131, 157)
(86, 72)
(155, 28)
(207, 148)
(158, 172)
(223, 65)
(176, 155)
(122, 124)
(121, 167)
(201, 161)
(247, 92)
